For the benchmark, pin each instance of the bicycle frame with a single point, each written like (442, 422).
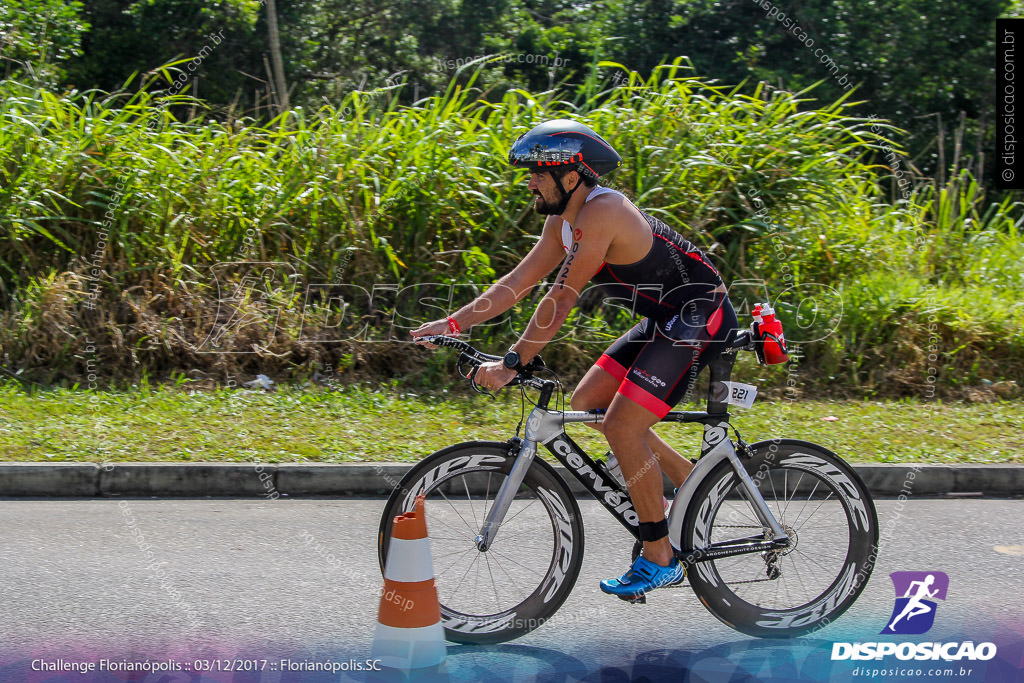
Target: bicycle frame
(547, 427)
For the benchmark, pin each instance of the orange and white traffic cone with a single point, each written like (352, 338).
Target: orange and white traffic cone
(409, 633)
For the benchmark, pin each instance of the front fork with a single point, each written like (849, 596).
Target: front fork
(507, 492)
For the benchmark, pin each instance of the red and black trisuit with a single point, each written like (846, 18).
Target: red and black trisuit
(686, 323)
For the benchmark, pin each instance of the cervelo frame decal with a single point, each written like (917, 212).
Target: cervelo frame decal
(603, 488)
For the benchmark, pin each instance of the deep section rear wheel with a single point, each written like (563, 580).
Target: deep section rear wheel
(826, 510)
(529, 571)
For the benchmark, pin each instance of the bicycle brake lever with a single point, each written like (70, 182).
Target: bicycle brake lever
(463, 358)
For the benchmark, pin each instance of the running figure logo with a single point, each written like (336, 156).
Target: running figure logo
(916, 592)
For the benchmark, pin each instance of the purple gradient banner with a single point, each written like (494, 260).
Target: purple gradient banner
(745, 659)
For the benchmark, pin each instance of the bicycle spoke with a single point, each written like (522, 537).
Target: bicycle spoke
(510, 577)
(748, 512)
(775, 494)
(743, 508)
(785, 495)
(544, 547)
(515, 534)
(471, 564)
(487, 495)
(827, 498)
(487, 561)
(436, 555)
(812, 560)
(518, 564)
(452, 505)
(741, 565)
(789, 498)
(521, 510)
(476, 567)
(432, 519)
(469, 500)
(800, 578)
(439, 574)
(782, 585)
(767, 586)
(809, 497)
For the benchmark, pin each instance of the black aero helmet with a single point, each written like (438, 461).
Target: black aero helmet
(564, 143)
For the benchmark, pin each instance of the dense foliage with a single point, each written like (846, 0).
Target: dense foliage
(926, 65)
(139, 243)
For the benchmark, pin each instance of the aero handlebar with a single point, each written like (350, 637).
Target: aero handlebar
(476, 358)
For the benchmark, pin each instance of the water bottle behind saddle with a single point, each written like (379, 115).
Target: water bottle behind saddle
(771, 343)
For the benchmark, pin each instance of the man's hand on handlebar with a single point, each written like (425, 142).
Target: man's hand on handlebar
(489, 372)
(494, 375)
(433, 328)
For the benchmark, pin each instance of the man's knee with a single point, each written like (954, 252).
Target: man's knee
(592, 394)
(619, 431)
(581, 400)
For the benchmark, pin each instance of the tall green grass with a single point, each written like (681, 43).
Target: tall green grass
(371, 193)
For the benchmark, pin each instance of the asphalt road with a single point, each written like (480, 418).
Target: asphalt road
(189, 579)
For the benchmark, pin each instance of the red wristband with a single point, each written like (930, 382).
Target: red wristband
(453, 326)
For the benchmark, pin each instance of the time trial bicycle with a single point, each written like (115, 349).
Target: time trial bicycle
(778, 538)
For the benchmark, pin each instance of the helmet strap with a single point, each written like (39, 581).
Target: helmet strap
(566, 196)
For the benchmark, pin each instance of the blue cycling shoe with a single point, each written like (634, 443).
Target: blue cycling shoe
(644, 576)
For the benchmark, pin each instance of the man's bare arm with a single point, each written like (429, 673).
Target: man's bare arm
(511, 288)
(586, 257)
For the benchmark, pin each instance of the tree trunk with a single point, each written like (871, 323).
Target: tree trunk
(275, 58)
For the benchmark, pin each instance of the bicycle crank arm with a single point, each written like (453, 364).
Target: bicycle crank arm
(502, 501)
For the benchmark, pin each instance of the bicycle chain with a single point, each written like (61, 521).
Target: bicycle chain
(739, 526)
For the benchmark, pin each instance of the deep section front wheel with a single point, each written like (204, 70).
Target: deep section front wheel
(824, 508)
(523, 578)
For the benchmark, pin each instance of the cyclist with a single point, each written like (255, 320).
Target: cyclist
(596, 233)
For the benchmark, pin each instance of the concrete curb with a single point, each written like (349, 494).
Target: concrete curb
(197, 480)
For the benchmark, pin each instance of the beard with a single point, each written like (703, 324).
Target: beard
(546, 208)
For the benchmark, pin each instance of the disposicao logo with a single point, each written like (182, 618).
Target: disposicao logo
(916, 595)
(914, 613)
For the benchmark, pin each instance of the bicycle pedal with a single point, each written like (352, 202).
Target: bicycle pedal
(634, 599)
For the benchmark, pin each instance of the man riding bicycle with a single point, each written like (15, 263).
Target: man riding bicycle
(596, 233)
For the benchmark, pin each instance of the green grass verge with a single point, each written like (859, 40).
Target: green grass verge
(357, 424)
